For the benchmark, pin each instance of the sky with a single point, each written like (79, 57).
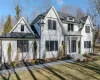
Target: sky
(7, 6)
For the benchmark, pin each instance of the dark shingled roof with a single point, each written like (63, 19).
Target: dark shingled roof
(83, 19)
(63, 17)
(19, 35)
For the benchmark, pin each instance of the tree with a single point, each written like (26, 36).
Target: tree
(7, 25)
(9, 53)
(35, 50)
(18, 12)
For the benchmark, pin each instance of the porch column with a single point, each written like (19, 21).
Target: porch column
(70, 43)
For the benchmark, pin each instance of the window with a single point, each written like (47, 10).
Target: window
(51, 24)
(70, 27)
(71, 19)
(87, 44)
(51, 45)
(23, 45)
(87, 29)
(73, 46)
(22, 27)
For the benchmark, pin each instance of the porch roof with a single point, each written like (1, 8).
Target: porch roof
(73, 33)
(19, 35)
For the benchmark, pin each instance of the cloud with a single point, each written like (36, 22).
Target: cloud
(60, 2)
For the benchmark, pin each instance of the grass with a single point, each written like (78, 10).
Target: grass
(67, 71)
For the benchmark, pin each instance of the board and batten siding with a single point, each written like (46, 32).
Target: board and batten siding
(50, 35)
(86, 37)
(29, 54)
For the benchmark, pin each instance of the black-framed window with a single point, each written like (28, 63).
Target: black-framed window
(87, 44)
(87, 29)
(23, 45)
(70, 27)
(22, 27)
(51, 24)
(51, 45)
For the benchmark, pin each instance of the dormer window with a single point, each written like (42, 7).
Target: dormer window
(22, 27)
(51, 24)
(70, 19)
(70, 27)
(87, 29)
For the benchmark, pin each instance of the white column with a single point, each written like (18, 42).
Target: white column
(77, 46)
(70, 44)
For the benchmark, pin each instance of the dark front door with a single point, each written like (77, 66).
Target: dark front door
(73, 46)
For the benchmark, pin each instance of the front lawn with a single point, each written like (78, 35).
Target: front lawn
(67, 71)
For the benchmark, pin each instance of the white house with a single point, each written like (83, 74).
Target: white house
(50, 30)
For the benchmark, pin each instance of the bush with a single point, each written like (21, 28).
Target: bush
(14, 64)
(86, 55)
(69, 57)
(78, 60)
(33, 61)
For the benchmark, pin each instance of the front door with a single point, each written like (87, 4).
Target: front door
(72, 49)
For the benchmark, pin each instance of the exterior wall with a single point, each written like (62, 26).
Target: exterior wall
(29, 55)
(50, 35)
(86, 37)
(18, 27)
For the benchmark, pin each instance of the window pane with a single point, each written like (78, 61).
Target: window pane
(47, 45)
(49, 24)
(89, 44)
(73, 45)
(25, 46)
(87, 29)
(51, 45)
(20, 45)
(54, 25)
(22, 27)
(71, 27)
(56, 45)
(68, 27)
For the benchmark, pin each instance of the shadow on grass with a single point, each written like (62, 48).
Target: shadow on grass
(44, 75)
(33, 76)
(80, 70)
(18, 78)
(94, 67)
(55, 73)
(6, 78)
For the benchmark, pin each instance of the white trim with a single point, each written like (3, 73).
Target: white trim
(19, 22)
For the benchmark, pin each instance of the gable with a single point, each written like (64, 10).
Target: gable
(22, 24)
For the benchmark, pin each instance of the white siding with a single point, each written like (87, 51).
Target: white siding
(30, 54)
(86, 37)
(18, 27)
(50, 35)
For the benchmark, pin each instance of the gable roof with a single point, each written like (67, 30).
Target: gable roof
(83, 19)
(25, 23)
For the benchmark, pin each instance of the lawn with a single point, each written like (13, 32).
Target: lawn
(67, 71)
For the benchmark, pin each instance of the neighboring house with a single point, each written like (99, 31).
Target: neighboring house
(50, 30)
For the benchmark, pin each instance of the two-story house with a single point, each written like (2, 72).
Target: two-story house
(50, 30)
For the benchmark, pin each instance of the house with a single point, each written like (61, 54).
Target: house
(50, 30)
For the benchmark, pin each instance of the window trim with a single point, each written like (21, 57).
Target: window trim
(87, 29)
(52, 25)
(87, 44)
(22, 27)
(55, 45)
(70, 27)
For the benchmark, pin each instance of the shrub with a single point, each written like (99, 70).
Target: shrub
(14, 64)
(69, 57)
(86, 55)
(78, 60)
(33, 61)
(9, 53)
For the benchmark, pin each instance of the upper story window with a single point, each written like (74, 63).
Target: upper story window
(87, 29)
(22, 27)
(70, 27)
(51, 24)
